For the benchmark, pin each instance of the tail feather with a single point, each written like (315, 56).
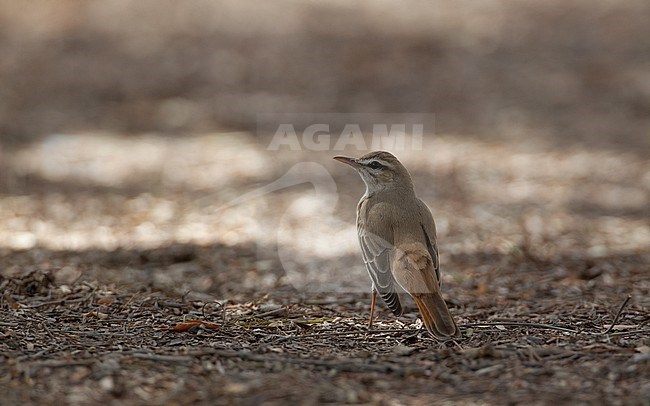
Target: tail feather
(436, 317)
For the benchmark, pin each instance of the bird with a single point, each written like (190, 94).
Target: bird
(397, 235)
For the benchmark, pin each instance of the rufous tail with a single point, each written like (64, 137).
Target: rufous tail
(436, 316)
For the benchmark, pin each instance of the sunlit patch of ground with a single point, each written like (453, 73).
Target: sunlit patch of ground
(100, 191)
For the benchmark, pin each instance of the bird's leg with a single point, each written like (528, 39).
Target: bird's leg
(372, 307)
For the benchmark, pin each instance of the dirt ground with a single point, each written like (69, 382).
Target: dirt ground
(116, 294)
(153, 250)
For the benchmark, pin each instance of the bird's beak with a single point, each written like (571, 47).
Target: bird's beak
(350, 161)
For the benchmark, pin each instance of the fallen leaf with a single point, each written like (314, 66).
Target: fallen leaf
(185, 326)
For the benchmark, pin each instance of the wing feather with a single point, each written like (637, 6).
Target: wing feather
(429, 230)
(377, 255)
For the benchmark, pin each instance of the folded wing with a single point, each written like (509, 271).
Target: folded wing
(377, 255)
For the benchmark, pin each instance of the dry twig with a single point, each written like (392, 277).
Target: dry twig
(618, 314)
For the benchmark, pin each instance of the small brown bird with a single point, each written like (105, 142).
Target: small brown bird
(398, 241)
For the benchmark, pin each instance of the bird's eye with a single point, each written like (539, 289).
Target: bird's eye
(375, 165)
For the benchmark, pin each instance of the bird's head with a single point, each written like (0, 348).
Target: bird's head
(379, 170)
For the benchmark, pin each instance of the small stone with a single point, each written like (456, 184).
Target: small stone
(403, 350)
(107, 383)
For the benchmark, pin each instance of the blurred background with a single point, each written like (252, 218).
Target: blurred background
(124, 124)
(575, 72)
